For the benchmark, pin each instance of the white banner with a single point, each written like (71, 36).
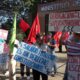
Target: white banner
(69, 21)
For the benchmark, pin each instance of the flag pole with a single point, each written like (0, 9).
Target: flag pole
(11, 45)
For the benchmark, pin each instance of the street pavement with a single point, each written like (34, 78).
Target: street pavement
(61, 63)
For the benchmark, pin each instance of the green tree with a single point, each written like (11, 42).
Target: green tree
(31, 6)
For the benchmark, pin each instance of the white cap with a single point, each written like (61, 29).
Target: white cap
(77, 32)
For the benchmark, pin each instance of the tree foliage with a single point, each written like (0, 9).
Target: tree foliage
(26, 9)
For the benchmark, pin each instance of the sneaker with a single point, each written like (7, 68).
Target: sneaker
(28, 77)
(22, 78)
(53, 74)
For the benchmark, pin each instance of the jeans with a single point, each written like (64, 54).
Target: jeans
(54, 66)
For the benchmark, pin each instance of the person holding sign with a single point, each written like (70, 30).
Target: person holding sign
(52, 45)
(73, 50)
(39, 43)
(23, 37)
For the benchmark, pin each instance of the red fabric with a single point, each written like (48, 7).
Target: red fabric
(45, 39)
(25, 40)
(35, 29)
(57, 37)
(65, 36)
(23, 25)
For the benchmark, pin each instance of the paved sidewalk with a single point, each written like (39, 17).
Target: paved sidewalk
(61, 63)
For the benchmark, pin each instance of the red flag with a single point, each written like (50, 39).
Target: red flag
(65, 36)
(35, 29)
(23, 25)
(57, 37)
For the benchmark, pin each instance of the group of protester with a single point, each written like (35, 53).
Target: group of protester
(49, 44)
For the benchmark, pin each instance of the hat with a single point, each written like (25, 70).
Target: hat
(78, 32)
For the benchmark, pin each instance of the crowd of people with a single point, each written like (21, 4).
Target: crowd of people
(49, 44)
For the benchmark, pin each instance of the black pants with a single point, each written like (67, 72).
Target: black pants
(22, 66)
(36, 75)
(60, 48)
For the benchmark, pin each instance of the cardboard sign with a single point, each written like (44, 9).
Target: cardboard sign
(74, 67)
(68, 21)
(3, 34)
(35, 58)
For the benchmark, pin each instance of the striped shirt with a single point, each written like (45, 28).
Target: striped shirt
(73, 46)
